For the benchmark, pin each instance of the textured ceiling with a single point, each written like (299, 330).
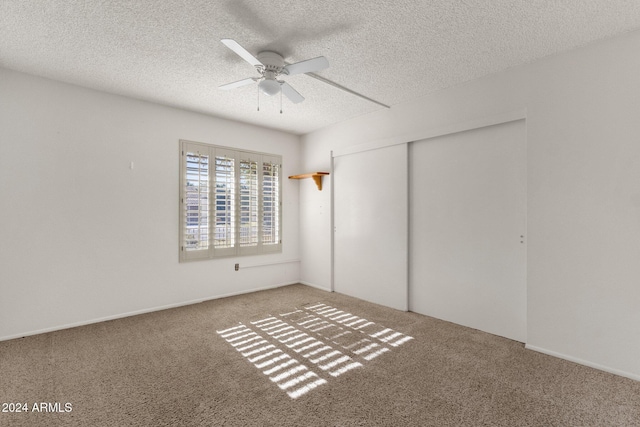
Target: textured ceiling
(169, 51)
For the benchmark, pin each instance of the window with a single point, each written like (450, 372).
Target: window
(230, 202)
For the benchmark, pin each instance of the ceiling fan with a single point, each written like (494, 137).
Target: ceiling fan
(271, 66)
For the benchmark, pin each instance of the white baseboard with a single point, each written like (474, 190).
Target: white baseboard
(137, 312)
(584, 362)
(312, 285)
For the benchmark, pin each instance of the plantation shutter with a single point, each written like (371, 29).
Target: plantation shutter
(230, 202)
(249, 196)
(195, 202)
(271, 240)
(224, 241)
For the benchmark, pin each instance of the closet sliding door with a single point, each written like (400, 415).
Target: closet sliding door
(371, 225)
(468, 228)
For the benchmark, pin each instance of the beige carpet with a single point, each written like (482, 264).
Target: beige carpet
(297, 356)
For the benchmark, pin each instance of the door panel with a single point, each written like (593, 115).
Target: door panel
(371, 220)
(467, 216)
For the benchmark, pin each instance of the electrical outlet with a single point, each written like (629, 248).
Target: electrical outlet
(237, 267)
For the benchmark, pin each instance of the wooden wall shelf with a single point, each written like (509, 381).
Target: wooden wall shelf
(317, 177)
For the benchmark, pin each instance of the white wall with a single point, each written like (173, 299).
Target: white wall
(315, 233)
(82, 236)
(583, 180)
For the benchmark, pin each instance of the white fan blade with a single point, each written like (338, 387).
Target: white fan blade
(239, 83)
(242, 52)
(291, 93)
(308, 66)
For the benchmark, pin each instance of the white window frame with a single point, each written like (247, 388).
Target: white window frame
(267, 165)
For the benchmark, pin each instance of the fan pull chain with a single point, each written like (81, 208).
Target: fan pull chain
(258, 98)
(280, 101)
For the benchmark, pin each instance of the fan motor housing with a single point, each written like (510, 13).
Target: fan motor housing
(272, 61)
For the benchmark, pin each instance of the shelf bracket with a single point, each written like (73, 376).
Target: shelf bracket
(317, 177)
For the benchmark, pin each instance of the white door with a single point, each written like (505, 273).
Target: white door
(371, 225)
(468, 229)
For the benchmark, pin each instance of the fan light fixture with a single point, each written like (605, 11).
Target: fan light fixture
(269, 87)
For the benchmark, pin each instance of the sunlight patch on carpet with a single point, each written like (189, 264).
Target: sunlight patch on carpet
(329, 341)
